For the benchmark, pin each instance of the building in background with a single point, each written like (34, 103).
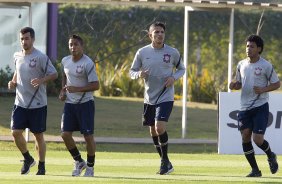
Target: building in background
(14, 16)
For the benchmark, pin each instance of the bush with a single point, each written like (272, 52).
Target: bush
(115, 80)
(54, 87)
(201, 87)
(5, 76)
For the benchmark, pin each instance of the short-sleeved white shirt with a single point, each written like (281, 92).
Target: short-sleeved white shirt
(79, 74)
(258, 74)
(27, 68)
(160, 64)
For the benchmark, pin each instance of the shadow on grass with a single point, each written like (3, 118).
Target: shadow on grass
(149, 148)
(127, 148)
(121, 117)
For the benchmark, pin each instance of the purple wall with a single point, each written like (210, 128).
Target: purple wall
(52, 28)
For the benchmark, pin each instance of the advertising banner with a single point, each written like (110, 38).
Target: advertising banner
(229, 138)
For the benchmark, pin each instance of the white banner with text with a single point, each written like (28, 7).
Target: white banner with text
(229, 138)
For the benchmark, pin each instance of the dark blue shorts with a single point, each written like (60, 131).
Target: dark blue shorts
(34, 119)
(159, 112)
(255, 119)
(78, 117)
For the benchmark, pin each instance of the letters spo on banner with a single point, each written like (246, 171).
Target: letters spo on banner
(229, 138)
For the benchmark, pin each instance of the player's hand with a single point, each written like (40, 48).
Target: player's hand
(169, 81)
(235, 85)
(258, 90)
(72, 89)
(36, 82)
(143, 73)
(63, 94)
(12, 85)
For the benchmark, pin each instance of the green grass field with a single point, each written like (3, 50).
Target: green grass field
(121, 117)
(131, 163)
(128, 168)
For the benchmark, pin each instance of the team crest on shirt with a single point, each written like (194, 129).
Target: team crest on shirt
(79, 69)
(166, 58)
(32, 63)
(258, 71)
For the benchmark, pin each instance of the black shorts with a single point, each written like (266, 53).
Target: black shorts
(255, 119)
(159, 112)
(34, 119)
(78, 117)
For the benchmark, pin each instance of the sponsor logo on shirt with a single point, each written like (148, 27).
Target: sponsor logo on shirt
(166, 58)
(32, 63)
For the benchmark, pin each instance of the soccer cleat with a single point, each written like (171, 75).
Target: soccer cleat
(166, 167)
(89, 172)
(41, 171)
(254, 173)
(27, 164)
(78, 168)
(273, 165)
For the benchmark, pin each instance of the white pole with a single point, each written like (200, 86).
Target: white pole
(230, 48)
(30, 25)
(185, 60)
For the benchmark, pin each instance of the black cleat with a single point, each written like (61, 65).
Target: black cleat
(254, 173)
(27, 164)
(41, 171)
(273, 165)
(166, 167)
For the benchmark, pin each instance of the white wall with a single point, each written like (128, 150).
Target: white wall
(11, 24)
(229, 138)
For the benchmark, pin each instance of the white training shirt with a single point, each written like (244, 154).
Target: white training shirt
(160, 64)
(259, 74)
(79, 74)
(28, 67)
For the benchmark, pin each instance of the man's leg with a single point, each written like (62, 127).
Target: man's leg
(22, 146)
(264, 145)
(20, 140)
(166, 166)
(91, 149)
(40, 146)
(70, 144)
(163, 138)
(249, 152)
(155, 138)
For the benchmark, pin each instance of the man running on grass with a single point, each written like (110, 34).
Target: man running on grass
(155, 64)
(79, 81)
(256, 77)
(32, 70)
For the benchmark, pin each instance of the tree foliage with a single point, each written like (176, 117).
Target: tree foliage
(113, 34)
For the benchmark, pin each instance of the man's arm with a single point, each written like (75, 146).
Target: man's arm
(270, 87)
(235, 85)
(37, 82)
(12, 84)
(91, 86)
(135, 71)
(62, 95)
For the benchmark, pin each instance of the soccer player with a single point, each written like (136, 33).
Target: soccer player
(78, 83)
(32, 70)
(155, 64)
(256, 77)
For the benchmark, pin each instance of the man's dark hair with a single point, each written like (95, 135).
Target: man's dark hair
(78, 38)
(257, 39)
(28, 30)
(157, 24)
